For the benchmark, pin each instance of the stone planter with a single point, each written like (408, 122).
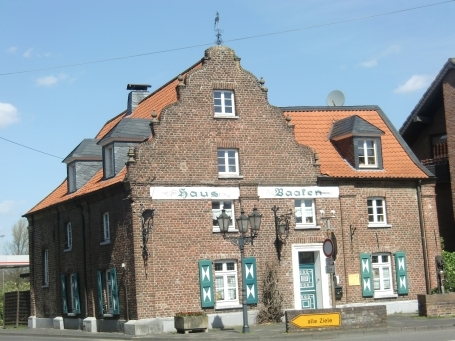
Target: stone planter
(184, 324)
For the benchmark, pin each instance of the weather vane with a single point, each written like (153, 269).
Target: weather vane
(217, 30)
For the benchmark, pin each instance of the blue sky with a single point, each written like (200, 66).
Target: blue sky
(386, 60)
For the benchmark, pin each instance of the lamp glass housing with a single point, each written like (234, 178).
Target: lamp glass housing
(223, 221)
(242, 222)
(255, 220)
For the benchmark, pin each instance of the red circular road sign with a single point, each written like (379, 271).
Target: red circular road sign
(327, 247)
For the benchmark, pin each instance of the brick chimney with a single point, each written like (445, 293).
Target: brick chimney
(137, 94)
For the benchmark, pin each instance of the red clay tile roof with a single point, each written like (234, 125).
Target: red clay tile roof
(313, 126)
(60, 194)
(156, 101)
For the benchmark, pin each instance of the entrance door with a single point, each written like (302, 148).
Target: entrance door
(307, 280)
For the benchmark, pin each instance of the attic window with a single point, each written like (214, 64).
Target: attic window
(367, 153)
(223, 101)
(71, 177)
(109, 162)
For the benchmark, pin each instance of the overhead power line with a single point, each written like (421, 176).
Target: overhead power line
(231, 40)
(36, 150)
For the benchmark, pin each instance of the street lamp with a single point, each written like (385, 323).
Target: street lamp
(254, 220)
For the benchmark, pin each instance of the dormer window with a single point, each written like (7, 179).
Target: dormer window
(109, 161)
(358, 142)
(367, 153)
(72, 177)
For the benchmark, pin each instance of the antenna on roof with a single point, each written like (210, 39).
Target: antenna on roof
(218, 31)
(335, 99)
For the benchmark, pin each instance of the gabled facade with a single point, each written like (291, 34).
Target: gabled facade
(430, 132)
(146, 241)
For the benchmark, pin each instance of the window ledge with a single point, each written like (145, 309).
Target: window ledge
(67, 250)
(71, 314)
(45, 286)
(385, 295)
(226, 116)
(108, 315)
(227, 176)
(375, 226)
(307, 227)
(235, 306)
(217, 230)
(106, 242)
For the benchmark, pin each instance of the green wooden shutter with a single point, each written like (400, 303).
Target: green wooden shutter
(401, 273)
(99, 275)
(366, 275)
(76, 303)
(64, 297)
(206, 283)
(249, 269)
(115, 296)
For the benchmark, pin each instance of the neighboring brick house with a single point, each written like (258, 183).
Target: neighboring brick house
(142, 242)
(430, 132)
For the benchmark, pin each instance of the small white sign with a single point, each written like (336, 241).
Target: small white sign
(297, 192)
(191, 193)
(330, 269)
(329, 261)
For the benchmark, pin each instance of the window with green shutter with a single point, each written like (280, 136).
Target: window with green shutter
(64, 297)
(115, 297)
(206, 284)
(366, 275)
(75, 301)
(249, 269)
(401, 273)
(99, 275)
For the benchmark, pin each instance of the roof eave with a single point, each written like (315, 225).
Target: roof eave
(450, 64)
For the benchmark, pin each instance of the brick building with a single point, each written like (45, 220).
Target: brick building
(132, 236)
(430, 131)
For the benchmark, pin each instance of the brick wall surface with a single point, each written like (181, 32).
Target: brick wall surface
(351, 318)
(436, 305)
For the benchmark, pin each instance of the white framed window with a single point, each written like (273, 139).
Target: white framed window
(109, 292)
(69, 237)
(109, 161)
(367, 153)
(376, 212)
(228, 207)
(223, 101)
(382, 275)
(226, 284)
(228, 162)
(106, 228)
(305, 216)
(72, 178)
(46, 267)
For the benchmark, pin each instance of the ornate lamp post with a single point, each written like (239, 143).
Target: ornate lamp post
(254, 220)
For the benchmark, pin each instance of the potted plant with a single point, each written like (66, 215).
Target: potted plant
(191, 320)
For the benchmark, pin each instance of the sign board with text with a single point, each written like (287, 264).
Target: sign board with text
(317, 320)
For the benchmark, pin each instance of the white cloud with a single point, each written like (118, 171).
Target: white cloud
(6, 206)
(12, 49)
(370, 63)
(416, 82)
(392, 49)
(8, 114)
(28, 53)
(50, 80)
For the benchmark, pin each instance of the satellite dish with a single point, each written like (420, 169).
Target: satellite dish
(335, 99)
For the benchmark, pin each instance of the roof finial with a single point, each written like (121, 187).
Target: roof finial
(217, 30)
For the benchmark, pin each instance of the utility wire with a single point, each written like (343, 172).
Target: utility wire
(36, 150)
(231, 40)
